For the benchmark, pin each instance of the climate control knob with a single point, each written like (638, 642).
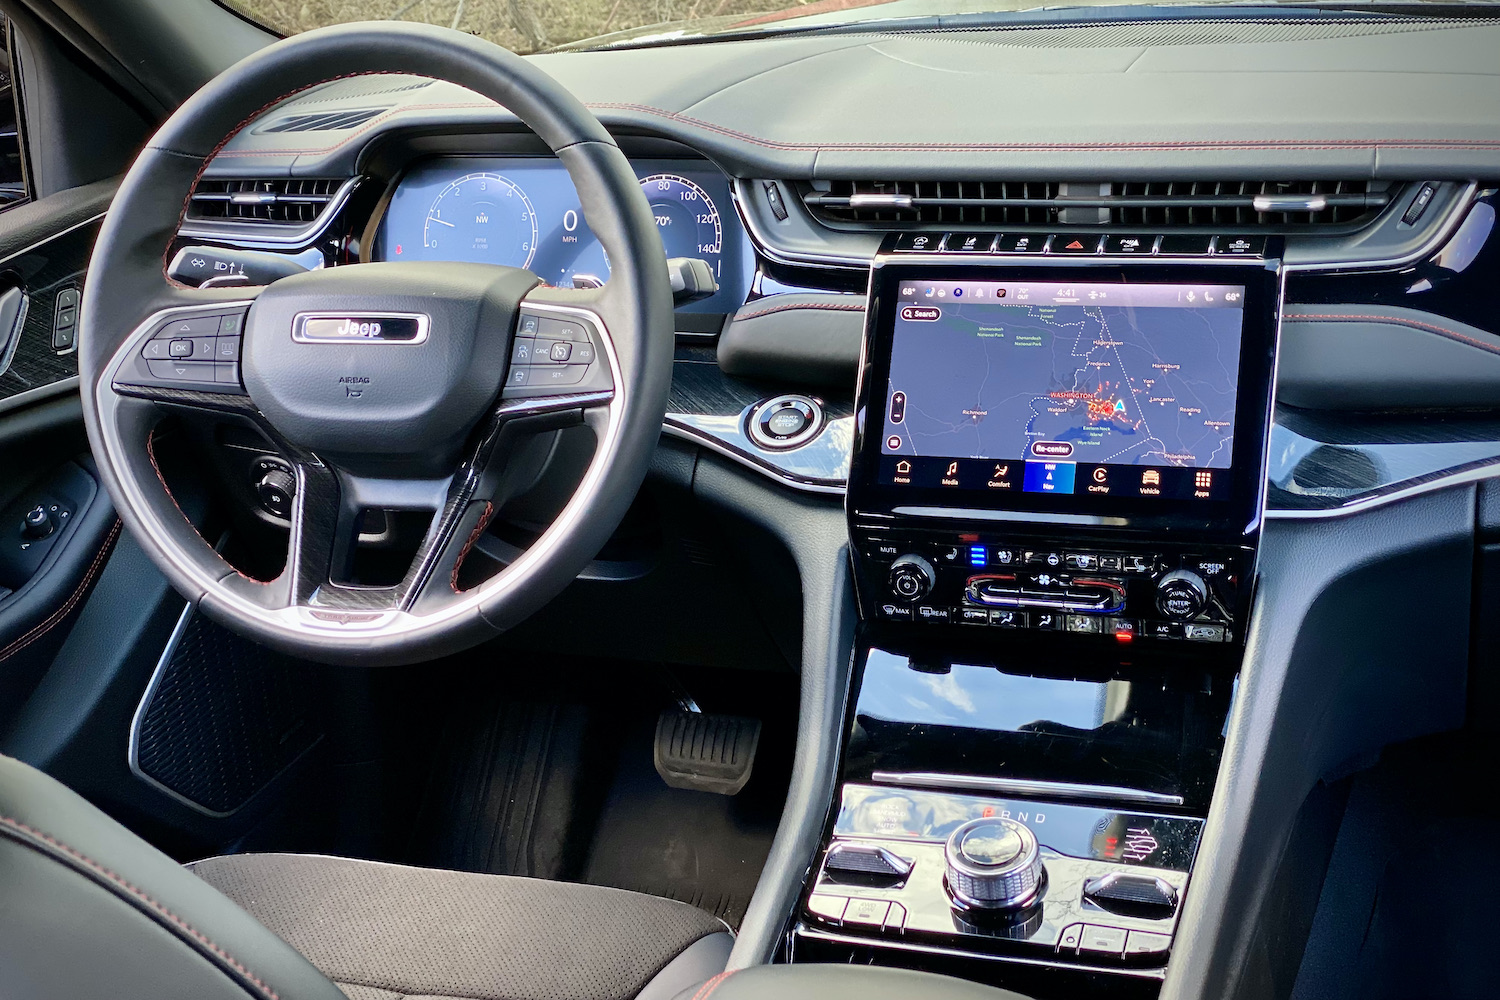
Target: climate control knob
(912, 578)
(1181, 595)
(993, 863)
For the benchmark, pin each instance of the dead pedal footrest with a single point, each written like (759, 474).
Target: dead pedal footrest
(705, 753)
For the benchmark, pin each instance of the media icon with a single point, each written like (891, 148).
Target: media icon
(952, 469)
(1151, 477)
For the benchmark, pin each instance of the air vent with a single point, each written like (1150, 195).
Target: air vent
(283, 200)
(325, 121)
(1272, 205)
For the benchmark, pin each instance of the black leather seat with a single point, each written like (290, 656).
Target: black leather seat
(87, 909)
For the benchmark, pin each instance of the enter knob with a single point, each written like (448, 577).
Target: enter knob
(993, 863)
(1181, 595)
(912, 577)
(275, 490)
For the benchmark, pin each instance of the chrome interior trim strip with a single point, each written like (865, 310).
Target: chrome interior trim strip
(1478, 473)
(683, 427)
(1067, 790)
(133, 750)
(206, 230)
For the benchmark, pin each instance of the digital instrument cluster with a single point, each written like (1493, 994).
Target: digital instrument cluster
(525, 212)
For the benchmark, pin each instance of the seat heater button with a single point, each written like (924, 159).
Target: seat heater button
(867, 911)
(1069, 938)
(827, 907)
(1147, 943)
(182, 371)
(1102, 940)
(521, 350)
(199, 326)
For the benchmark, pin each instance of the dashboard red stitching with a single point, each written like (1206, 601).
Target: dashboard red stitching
(51, 621)
(794, 306)
(1441, 331)
(31, 833)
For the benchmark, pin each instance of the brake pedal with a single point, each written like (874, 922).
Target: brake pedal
(705, 753)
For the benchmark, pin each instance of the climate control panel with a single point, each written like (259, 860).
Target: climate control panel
(1120, 590)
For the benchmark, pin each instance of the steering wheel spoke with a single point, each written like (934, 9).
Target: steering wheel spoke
(187, 355)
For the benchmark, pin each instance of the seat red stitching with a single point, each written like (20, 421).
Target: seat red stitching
(828, 306)
(48, 623)
(1441, 331)
(707, 988)
(144, 897)
(479, 526)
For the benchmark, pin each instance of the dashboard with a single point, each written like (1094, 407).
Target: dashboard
(525, 212)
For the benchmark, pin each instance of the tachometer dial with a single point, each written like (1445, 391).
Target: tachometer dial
(687, 218)
(482, 217)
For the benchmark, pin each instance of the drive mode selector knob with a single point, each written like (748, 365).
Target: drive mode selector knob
(994, 864)
(1181, 595)
(912, 578)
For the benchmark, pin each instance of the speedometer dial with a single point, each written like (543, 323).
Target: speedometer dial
(482, 217)
(687, 219)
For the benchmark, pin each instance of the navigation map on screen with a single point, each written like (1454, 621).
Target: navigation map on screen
(1106, 374)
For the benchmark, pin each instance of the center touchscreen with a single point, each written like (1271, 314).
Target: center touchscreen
(1064, 387)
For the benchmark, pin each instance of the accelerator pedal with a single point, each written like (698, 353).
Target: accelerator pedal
(705, 753)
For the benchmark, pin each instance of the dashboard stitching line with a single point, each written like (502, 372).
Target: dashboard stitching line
(209, 158)
(32, 834)
(1441, 331)
(791, 307)
(51, 621)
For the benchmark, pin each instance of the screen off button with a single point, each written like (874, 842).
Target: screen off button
(1049, 477)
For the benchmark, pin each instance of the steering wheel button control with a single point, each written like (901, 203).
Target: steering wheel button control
(528, 325)
(182, 371)
(521, 349)
(559, 350)
(232, 325)
(561, 329)
(180, 349)
(227, 349)
(557, 374)
(550, 355)
(520, 375)
(197, 326)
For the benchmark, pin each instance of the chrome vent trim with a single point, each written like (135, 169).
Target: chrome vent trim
(1288, 206)
(267, 212)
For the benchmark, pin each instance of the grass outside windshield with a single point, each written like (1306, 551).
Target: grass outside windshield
(533, 25)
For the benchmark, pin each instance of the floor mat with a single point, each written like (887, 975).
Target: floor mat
(697, 847)
(505, 789)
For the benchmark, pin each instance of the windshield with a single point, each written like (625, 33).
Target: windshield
(527, 26)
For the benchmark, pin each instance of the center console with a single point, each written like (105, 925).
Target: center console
(1054, 507)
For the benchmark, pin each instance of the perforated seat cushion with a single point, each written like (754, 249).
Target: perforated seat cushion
(382, 931)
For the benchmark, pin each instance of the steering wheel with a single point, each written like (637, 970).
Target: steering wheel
(385, 384)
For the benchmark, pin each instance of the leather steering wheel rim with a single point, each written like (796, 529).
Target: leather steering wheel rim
(127, 290)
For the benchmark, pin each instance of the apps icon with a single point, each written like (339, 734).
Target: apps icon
(1203, 479)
